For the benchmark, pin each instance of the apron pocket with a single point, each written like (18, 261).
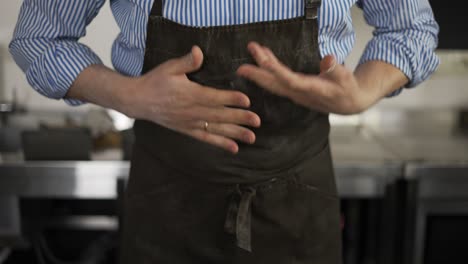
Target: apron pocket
(296, 217)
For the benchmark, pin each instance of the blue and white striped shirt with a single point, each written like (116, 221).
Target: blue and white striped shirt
(45, 42)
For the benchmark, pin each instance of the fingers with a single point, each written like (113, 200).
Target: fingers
(271, 73)
(222, 135)
(267, 60)
(224, 115)
(230, 131)
(263, 78)
(186, 64)
(220, 127)
(215, 97)
(216, 140)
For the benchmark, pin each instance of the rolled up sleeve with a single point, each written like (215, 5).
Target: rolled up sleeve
(45, 44)
(405, 35)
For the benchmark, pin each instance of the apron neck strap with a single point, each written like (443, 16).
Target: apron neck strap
(311, 8)
(157, 9)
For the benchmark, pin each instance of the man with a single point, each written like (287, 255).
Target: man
(231, 162)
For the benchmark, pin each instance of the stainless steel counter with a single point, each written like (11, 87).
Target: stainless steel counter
(365, 162)
(97, 179)
(93, 179)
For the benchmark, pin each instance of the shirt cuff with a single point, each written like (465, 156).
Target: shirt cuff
(392, 53)
(417, 66)
(55, 71)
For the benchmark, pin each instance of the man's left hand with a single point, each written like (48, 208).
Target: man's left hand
(334, 90)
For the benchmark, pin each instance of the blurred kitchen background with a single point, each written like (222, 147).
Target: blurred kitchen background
(401, 167)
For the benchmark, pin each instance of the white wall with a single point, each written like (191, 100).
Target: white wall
(446, 89)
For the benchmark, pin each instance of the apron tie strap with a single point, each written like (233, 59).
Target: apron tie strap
(239, 217)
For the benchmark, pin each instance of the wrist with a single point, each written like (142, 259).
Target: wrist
(375, 80)
(123, 94)
(368, 93)
(379, 79)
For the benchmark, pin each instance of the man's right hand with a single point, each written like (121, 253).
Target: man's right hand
(167, 97)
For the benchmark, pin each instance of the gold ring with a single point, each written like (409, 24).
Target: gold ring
(206, 126)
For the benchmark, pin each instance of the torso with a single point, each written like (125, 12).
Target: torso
(336, 35)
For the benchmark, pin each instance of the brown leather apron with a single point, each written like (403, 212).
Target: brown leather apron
(273, 202)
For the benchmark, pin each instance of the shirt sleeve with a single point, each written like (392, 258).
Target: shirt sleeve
(405, 35)
(45, 43)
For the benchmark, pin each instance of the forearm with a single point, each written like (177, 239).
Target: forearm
(405, 36)
(102, 86)
(45, 43)
(378, 79)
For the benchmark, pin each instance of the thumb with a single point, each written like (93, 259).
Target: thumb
(329, 67)
(186, 64)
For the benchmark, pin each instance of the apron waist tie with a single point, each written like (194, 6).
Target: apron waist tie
(239, 217)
